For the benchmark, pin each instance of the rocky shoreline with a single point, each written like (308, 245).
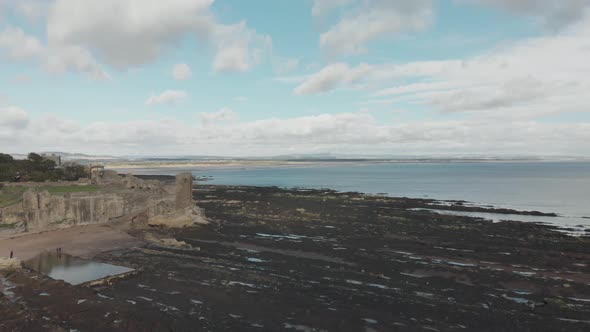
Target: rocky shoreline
(314, 260)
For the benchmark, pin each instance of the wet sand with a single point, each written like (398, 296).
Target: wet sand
(83, 241)
(275, 259)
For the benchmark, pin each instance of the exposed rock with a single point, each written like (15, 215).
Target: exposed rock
(184, 218)
(11, 227)
(10, 263)
(167, 242)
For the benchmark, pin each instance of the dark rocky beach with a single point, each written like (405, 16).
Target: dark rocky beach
(317, 260)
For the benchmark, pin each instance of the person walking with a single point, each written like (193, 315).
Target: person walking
(11, 254)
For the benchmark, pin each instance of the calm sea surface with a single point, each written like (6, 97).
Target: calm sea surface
(560, 187)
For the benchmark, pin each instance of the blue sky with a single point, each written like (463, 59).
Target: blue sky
(264, 77)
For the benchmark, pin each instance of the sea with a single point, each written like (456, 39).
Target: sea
(558, 187)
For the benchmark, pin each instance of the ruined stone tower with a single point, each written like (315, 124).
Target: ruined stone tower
(184, 191)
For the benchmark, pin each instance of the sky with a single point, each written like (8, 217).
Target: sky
(280, 77)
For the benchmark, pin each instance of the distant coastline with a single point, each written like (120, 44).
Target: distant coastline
(236, 163)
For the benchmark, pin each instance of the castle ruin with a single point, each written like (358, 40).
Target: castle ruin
(167, 205)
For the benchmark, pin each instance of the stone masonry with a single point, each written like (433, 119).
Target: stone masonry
(39, 210)
(184, 191)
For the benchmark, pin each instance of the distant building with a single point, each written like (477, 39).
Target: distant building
(53, 157)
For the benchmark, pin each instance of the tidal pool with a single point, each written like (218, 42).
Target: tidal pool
(71, 269)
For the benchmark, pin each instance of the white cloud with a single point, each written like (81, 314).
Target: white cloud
(415, 88)
(166, 97)
(285, 65)
(331, 77)
(550, 13)
(322, 7)
(347, 133)
(239, 47)
(503, 94)
(231, 59)
(32, 10)
(13, 118)
(181, 72)
(22, 47)
(74, 58)
(529, 78)
(376, 19)
(126, 33)
(225, 114)
(135, 32)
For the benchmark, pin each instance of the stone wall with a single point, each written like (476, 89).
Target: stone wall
(180, 210)
(39, 210)
(107, 177)
(184, 191)
(132, 182)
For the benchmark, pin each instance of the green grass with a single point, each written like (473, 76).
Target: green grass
(11, 195)
(70, 189)
(8, 226)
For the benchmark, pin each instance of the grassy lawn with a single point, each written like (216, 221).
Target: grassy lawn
(70, 189)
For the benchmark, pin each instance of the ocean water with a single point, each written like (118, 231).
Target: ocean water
(560, 187)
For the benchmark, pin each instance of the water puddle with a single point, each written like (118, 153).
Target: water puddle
(256, 260)
(302, 328)
(292, 237)
(519, 300)
(239, 283)
(286, 252)
(574, 320)
(579, 299)
(280, 236)
(73, 270)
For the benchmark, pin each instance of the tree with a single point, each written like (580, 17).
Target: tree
(7, 171)
(74, 172)
(47, 164)
(37, 168)
(34, 158)
(5, 158)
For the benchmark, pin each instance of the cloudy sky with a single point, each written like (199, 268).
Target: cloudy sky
(267, 77)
